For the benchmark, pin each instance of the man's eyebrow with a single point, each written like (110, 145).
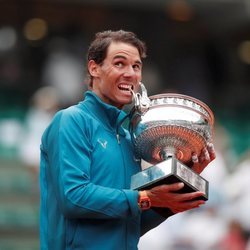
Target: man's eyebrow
(124, 57)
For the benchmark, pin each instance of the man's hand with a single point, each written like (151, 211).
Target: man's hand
(208, 154)
(166, 196)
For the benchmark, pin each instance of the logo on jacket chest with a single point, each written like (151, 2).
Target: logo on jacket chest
(102, 142)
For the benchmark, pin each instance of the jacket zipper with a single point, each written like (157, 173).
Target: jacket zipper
(118, 138)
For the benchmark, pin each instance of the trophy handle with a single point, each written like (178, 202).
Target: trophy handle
(142, 101)
(141, 105)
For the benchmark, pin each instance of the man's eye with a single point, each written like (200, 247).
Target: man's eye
(119, 64)
(137, 67)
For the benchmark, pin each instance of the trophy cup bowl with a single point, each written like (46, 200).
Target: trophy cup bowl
(166, 129)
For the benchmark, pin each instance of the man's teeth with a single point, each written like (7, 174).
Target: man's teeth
(125, 87)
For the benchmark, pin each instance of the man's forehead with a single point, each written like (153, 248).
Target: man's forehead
(117, 49)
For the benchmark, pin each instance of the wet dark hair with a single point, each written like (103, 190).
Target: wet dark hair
(98, 48)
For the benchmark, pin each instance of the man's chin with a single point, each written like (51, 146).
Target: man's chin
(126, 96)
(124, 102)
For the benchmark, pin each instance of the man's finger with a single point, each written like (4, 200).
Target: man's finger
(211, 150)
(169, 187)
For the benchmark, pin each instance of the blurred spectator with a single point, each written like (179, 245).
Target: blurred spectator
(237, 192)
(10, 131)
(45, 102)
(63, 70)
(234, 239)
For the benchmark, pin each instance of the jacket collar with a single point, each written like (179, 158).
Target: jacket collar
(109, 115)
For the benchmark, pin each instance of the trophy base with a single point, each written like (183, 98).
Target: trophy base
(168, 172)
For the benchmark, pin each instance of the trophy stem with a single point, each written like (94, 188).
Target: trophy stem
(167, 152)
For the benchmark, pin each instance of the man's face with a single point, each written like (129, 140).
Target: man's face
(120, 71)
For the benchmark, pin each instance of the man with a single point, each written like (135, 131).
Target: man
(87, 161)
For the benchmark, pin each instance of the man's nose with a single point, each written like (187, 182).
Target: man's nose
(129, 71)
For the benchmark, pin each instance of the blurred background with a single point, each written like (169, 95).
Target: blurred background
(195, 47)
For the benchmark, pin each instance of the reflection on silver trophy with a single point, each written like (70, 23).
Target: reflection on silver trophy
(166, 130)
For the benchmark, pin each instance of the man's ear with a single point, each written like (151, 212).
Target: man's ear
(93, 68)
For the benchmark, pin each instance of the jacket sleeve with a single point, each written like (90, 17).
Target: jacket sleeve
(69, 156)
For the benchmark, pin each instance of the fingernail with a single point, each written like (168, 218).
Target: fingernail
(180, 184)
(195, 158)
(210, 146)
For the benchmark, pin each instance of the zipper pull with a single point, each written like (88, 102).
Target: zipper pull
(118, 138)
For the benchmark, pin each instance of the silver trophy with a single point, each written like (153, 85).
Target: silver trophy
(166, 129)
